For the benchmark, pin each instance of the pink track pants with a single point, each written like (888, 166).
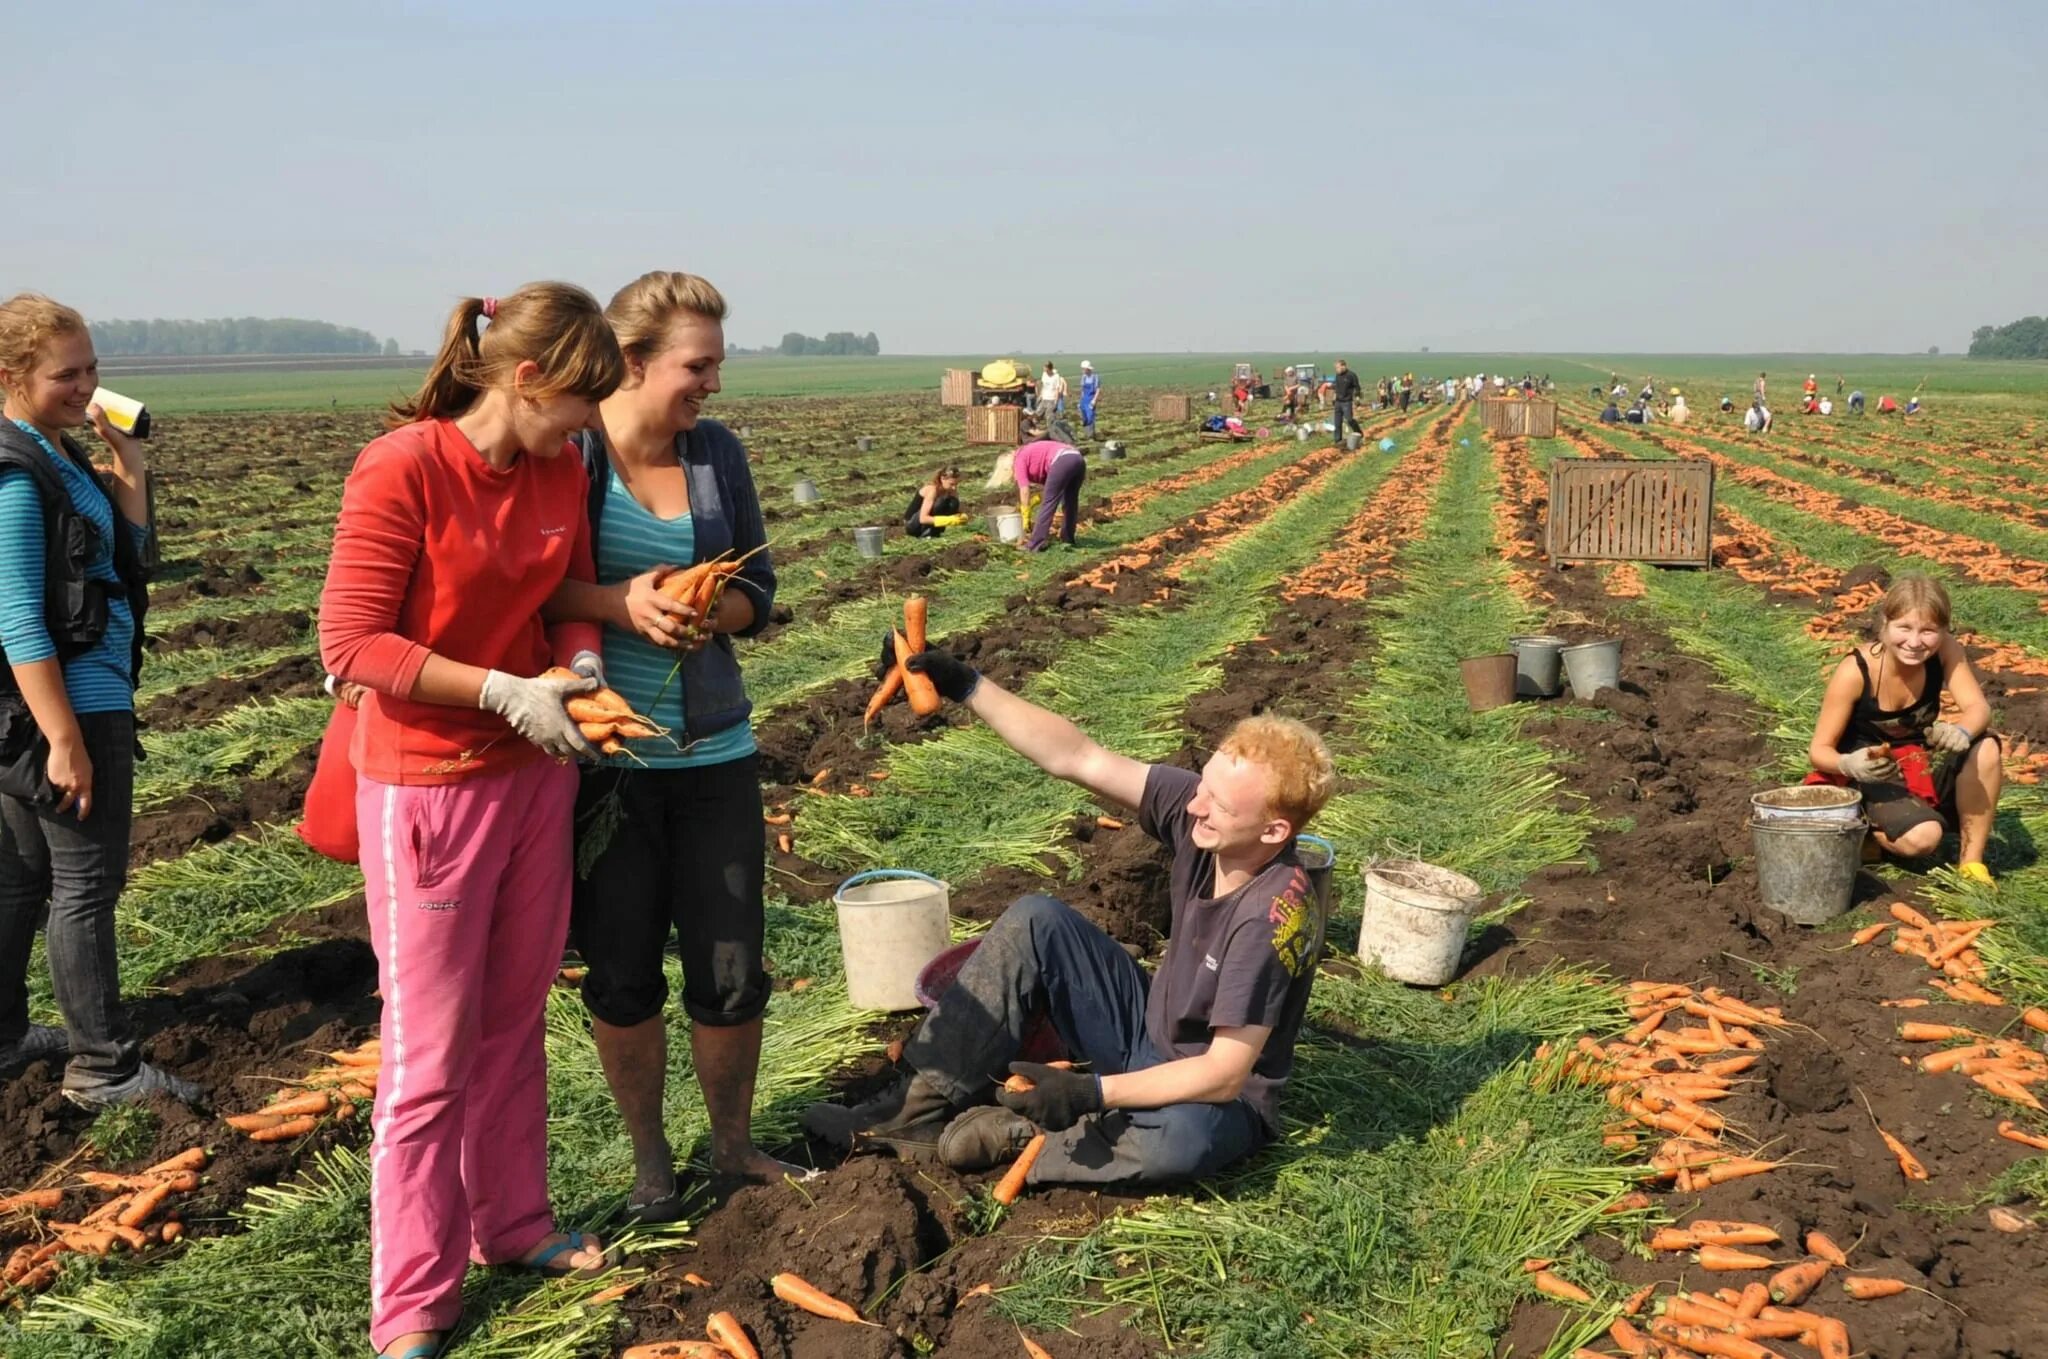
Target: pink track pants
(468, 889)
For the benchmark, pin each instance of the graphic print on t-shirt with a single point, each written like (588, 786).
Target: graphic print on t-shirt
(1294, 936)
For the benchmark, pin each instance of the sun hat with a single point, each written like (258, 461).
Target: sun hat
(1087, 365)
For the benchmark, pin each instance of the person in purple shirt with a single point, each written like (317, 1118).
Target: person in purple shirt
(1182, 1070)
(1059, 469)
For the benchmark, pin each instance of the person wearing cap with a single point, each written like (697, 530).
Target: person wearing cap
(1827, 406)
(1678, 414)
(1091, 391)
(1812, 386)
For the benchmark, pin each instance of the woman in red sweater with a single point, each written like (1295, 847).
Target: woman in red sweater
(455, 528)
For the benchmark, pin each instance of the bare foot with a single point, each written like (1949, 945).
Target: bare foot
(755, 1165)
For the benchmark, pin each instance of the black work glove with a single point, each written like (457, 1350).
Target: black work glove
(952, 677)
(1057, 1099)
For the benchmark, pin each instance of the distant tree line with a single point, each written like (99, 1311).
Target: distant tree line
(2023, 339)
(796, 345)
(234, 335)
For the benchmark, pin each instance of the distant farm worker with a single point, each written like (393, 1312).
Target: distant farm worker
(1326, 392)
(72, 600)
(1812, 385)
(682, 857)
(1887, 405)
(1091, 392)
(1727, 404)
(1757, 394)
(1838, 384)
(1344, 389)
(1052, 392)
(1610, 414)
(935, 506)
(1856, 402)
(1637, 414)
(455, 530)
(1182, 1071)
(1758, 420)
(1827, 405)
(1679, 414)
(1290, 398)
(1055, 471)
(1923, 771)
(1912, 405)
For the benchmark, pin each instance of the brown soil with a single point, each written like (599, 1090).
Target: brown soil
(293, 677)
(212, 816)
(275, 628)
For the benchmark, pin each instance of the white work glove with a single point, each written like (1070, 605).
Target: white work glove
(590, 665)
(1949, 736)
(1864, 767)
(536, 709)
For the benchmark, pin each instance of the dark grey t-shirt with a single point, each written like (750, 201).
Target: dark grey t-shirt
(1244, 959)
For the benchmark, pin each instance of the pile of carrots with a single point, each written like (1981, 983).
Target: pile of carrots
(1390, 517)
(1948, 947)
(902, 681)
(605, 718)
(139, 1213)
(332, 1091)
(727, 1337)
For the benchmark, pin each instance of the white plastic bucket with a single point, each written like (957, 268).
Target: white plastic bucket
(1010, 526)
(805, 491)
(1416, 918)
(1807, 804)
(892, 921)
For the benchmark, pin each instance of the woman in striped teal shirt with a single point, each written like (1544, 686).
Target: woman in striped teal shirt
(676, 831)
(71, 604)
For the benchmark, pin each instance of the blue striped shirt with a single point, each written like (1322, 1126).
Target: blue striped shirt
(96, 681)
(631, 540)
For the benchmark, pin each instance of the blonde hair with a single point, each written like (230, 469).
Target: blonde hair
(1005, 471)
(555, 325)
(1913, 593)
(1299, 774)
(643, 310)
(29, 321)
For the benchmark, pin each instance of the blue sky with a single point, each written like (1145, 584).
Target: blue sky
(1112, 177)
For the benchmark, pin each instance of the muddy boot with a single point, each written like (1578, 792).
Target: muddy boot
(909, 1116)
(984, 1138)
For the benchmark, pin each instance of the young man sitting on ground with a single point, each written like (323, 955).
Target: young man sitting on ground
(1183, 1069)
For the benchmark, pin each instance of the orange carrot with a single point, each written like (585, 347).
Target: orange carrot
(1531, 1266)
(286, 1131)
(1635, 1301)
(146, 1202)
(885, 694)
(1551, 1286)
(919, 689)
(1627, 1203)
(32, 1200)
(172, 1231)
(1730, 1066)
(1012, 1183)
(1032, 1349)
(725, 1330)
(1631, 1340)
(1909, 1003)
(2035, 1018)
(1823, 1245)
(1755, 1297)
(1792, 1284)
(1933, 1033)
(1719, 1258)
(797, 1293)
(1864, 1289)
(1870, 932)
(1906, 915)
(1831, 1338)
(1108, 823)
(915, 608)
(311, 1102)
(1018, 1085)
(250, 1123)
(2011, 1133)
(1909, 1164)
(357, 1058)
(1700, 1340)
(1714, 1233)
(1949, 1058)
(784, 844)
(193, 1159)
(675, 1349)
(1672, 1238)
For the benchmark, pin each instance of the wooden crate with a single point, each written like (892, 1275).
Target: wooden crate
(994, 424)
(1512, 417)
(956, 387)
(1173, 408)
(1621, 509)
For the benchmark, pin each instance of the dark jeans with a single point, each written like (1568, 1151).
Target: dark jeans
(1062, 492)
(64, 875)
(1044, 953)
(1344, 417)
(686, 856)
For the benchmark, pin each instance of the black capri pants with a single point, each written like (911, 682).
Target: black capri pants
(685, 854)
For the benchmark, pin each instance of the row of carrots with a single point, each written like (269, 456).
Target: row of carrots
(139, 1213)
(1389, 518)
(332, 1091)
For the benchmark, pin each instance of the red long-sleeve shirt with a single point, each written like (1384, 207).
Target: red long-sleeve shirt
(438, 552)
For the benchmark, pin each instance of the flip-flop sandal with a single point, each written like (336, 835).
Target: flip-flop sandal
(425, 1349)
(543, 1263)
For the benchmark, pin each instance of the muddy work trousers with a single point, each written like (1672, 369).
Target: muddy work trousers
(1044, 956)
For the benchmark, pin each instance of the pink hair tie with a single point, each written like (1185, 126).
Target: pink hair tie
(490, 309)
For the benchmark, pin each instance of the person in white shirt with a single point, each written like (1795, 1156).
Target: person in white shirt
(1052, 392)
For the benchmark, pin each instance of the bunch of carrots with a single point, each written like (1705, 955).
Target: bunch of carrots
(901, 679)
(138, 1214)
(698, 587)
(1946, 946)
(605, 718)
(332, 1091)
(728, 1338)
(2001, 1067)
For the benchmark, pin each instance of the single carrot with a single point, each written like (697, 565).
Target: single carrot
(885, 694)
(250, 1123)
(1906, 915)
(311, 1102)
(173, 1231)
(919, 689)
(286, 1131)
(797, 1293)
(1823, 1245)
(675, 1349)
(1032, 1349)
(1949, 1058)
(1551, 1286)
(725, 1330)
(1700, 1340)
(1531, 1266)
(146, 1202)
(1909, 1164)
(1018, 1085)
(1864, 1289)
(1908, 1003)
(1721, 1258)
(108, 1211)
(2007, 1088)
(1012, 1183)
(1717, 1233)
(2035, 1018)
(1627, 1203)
(194, 1158)
(776, 819)
(32, 1200)
(1672, 1238)
(1632, 1341)
(1792, 1284)
(1933, 1033)
(1831, 1338)
(1755, 1297)
(1108, 823)
(915, 609)
(1731, 1066)
(1870, 932)
(2012, 1133)
(783, 843)
(818, 779)
(357, 1058)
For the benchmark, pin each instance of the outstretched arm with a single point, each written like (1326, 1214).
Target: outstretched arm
(1057, 746)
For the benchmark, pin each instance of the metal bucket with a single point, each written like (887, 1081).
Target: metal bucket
(868, 541)
(1807, 871)
(1113, 449)
(1416, 918)
(1538, 665)
(892, 921)
(805, 491)
(1301, 433)
(1593, 666)
(1319, 860)
(1353, 440)
(1489, 681)
(1010, 526)
(864, 444)
(1807, 804)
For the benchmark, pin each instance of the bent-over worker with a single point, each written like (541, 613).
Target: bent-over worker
(935, 506)
(1059, 469)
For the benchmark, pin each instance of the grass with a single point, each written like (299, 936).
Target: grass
(253, 741)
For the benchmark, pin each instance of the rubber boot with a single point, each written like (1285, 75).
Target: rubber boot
(984, 1138)
(908, 1116)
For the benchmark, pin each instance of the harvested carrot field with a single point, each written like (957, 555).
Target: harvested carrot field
(1680, 1103)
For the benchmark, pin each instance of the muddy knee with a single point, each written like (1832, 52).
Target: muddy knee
(1918, 841)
